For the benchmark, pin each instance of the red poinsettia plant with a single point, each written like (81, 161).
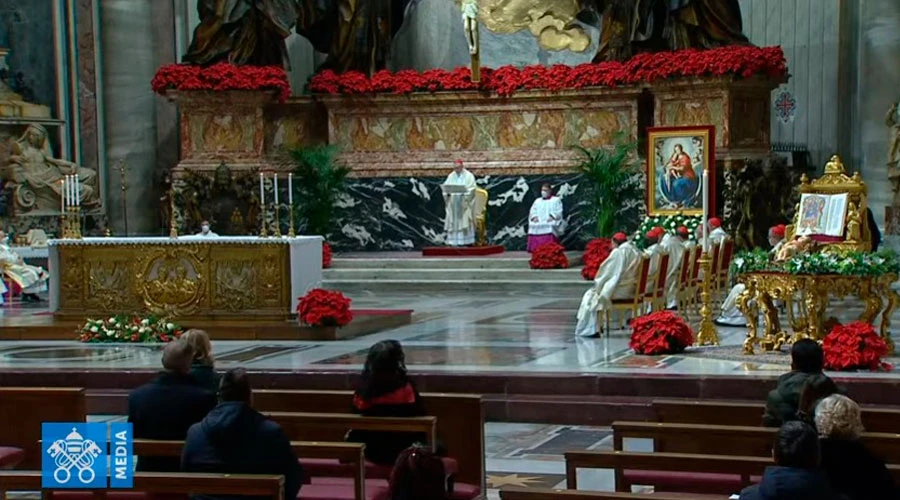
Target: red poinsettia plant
(221, 76)
(661, 332)
(733, 61)
(855, 346)
(596, 252)
(326, 255)
(322, 307)
(549, 256)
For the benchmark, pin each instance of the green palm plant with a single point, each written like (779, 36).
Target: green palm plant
(612, 178)
(319, 180)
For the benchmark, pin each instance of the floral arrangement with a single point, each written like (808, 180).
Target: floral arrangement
(549, 256)
(322, 307)
(855, 346)
(668, 222)
(737, 61)
(129, 328)
(326, 255)
(596, 252)
(661, 332)
(221, 76)
(846, 264)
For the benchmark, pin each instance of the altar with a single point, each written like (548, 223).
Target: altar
(248, 278)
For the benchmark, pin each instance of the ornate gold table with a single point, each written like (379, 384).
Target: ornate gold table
(811, 293)
(202, 278)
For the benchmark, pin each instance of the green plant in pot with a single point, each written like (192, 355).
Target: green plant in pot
(612, 179)
(319, 180)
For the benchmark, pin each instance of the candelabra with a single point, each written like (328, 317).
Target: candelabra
(277, 232)
(707, 334)
(263, 233)
(291, 233)
(72, 224)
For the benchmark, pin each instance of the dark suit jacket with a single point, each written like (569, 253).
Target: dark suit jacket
(165, 409)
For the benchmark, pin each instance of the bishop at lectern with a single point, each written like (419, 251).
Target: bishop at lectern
(459, 203)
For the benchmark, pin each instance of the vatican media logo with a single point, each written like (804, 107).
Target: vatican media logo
(81, 455)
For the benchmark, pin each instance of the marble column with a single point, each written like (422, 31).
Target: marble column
(131, 44)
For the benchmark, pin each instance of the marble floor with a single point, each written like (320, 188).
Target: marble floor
(452, 333)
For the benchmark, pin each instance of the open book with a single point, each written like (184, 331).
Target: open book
(454, 189)
(822, 214)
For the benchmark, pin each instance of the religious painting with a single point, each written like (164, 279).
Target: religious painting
(676, 160)
(822, 214)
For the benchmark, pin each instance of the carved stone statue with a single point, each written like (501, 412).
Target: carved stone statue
(36, 176)
(243, 32)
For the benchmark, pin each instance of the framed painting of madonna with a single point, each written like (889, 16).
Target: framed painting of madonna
(676, 159)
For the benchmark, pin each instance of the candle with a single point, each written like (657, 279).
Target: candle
(705, 210)
(275, 176)
(62, 198)
(290, 188)
(77, 190)
(69, 191)
(262, 191)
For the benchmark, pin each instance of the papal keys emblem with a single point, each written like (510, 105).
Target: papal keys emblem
(74, 452)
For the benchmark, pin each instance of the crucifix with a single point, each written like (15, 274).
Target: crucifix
(470, 25)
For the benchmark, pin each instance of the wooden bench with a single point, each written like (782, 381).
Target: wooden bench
(23, 409)
(731, 440)
(158, 483)
(746, 413)
(545, 494)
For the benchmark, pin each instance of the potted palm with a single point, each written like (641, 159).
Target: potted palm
(612, 178)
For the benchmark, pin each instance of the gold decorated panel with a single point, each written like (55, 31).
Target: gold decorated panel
(196, 280)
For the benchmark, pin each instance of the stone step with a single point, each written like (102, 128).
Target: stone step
(561, 288)
(419, 262)
(452, 273)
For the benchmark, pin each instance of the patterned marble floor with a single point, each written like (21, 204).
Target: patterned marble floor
(459, 333)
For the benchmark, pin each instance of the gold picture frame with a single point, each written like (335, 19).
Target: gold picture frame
(676, 159)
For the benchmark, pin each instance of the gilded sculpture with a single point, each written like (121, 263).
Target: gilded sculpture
(35, 176)
(552, 22)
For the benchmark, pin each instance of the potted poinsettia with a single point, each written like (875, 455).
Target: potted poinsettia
(855, 346)
(661, 332)
(324, 308)
(595, 253)
(549, 256)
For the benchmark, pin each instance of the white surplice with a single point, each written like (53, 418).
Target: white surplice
(673, 246)
(615, 279)
(731, 315)
(32, 279)
(459, 210)
(654, 251)
(549, 214)
(717, 236)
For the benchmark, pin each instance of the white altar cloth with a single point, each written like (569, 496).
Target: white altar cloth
(305, 257)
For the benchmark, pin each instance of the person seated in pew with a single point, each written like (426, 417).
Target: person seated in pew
(850, 467)
(782, 403)
(418, 474)
(236, 439)
(203, 367)
(796, 474)
(168, 406)
(384, 390)
(815, 389)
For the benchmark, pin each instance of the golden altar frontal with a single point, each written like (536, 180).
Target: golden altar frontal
(245, 278)
(811, 294)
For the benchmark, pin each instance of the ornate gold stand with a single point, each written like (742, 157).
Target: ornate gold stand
(277, 232)
(263, 231)
(72, 224)
(291, 233)
(707, 334)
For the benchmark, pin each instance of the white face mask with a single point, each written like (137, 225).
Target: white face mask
(204, 229)
(545, 194)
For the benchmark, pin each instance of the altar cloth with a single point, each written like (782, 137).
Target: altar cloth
(242, 277)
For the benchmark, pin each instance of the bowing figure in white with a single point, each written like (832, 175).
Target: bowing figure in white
(716, 234)
(546, 223)
(32, 279)
(673, 245)
(654, 251)
(459, 206)
(731, 315)
(616, 279)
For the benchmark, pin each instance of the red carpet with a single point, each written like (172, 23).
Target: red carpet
(462, 251)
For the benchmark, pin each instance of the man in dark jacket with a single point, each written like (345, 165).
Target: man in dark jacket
(168, 406)
(236, 439)
(796, 474)
(807, 361)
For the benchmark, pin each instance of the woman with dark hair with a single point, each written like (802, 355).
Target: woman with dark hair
(385, 391)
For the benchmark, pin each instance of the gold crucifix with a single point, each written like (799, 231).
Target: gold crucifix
(470, 25)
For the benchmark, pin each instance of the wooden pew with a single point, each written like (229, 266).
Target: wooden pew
(334, 426)
(730, 440)
(746, 413)
(460, 428)
(546, 494)
(164, 483)
(22, 409)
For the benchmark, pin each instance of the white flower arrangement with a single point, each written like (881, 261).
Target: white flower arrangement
(129, 328)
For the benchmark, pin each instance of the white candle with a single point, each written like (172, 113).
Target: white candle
(69, 187)
(262, 191)
(62, 195)
(290, 188)
(77, 190)
(705, 210)
(275, 176)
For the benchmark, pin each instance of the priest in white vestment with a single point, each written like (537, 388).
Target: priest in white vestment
(654, 251)
(205, 231)
(459, 208)
(616, 279)
(731, 315)
(546, 223)
(673, 245)
(716, 234)
(32, 279)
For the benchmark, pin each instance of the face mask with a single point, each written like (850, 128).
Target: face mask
(545, 194)
(205, 229)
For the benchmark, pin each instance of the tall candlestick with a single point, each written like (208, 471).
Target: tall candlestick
(275, 176)
(77, 190)
(62, 199)
(262, 191)
(66, 190)
(290, 188)
(705, 210)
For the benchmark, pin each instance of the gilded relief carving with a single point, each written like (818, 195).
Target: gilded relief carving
(169, 280)
(551, 21)
(232, 285)
(107, 283)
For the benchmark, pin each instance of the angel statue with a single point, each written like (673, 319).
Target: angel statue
(470, 24)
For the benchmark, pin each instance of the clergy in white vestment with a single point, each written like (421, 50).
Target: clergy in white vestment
(545, 220)
(459, 207)
(673, 245)
(205, 231)
(654, 251)
(716, 234)
(731, 315)
(616, 279)
(32, 279)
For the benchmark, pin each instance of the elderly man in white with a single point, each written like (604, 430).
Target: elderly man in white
(546, 223)
(673, 245)
(459, 206)
(615, 279)
(205, 231)
(32, 279)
